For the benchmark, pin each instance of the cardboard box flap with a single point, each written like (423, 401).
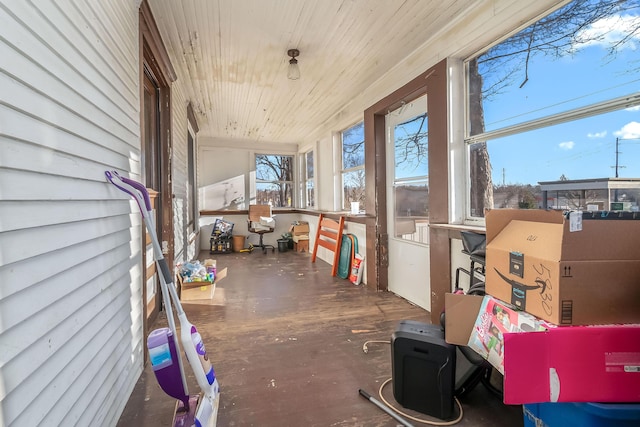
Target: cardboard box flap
(598, 240)
(497, 219)
(461, 312)
(300, 228)
(534, 239)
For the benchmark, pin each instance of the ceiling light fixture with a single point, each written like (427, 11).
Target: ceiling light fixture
(293, 72)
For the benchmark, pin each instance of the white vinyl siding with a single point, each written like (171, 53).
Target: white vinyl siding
(179, 175)
(71, 342)
(184, 249)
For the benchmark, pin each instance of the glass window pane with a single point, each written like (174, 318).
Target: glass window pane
(596, 147)
(412, 211)
(625, 199)
(274, 180)
(278, 195)
(353, 185)
(411, 145)
(309, 164)
(578, 199)
(353, 146)
(310, 194)
(274, 168)
(581, 54)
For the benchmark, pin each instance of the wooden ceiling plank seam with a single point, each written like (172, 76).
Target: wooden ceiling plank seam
(210, 40)
(216, 91)
(174, 43)
(196, 46)
(241, 47)
(253, 108)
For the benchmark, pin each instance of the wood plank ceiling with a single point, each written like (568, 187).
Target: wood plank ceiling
(233, 54)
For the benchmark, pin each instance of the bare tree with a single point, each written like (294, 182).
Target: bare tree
(354, 187)
(412, 149)
(279, 171)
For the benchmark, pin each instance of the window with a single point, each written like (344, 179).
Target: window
(411, 179)
(274, 180)
(353, 178)
(309, 181)
(558, 100)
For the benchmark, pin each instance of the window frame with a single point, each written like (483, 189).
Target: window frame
(192, 182)
(405, 115)
(193, 203)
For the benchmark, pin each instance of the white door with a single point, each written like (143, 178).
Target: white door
(408, 202)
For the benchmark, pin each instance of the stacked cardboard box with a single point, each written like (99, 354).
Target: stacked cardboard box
(579, 279)
(300, 234)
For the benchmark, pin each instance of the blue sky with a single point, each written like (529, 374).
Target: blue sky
(580, 149)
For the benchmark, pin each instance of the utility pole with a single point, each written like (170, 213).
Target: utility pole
(617, 154)
(617, 165)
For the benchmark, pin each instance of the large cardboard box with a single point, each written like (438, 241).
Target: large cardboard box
(573, 364)
(538, 264)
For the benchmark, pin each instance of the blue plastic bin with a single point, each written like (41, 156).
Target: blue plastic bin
(567, 414)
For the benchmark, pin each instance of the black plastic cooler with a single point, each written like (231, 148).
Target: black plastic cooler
(423, 369)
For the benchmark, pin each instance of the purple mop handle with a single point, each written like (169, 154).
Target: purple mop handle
(113, 177)
(135, 184)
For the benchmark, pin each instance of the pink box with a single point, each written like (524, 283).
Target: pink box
(495, 320)
(573, 364)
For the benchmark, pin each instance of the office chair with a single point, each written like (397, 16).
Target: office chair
(256, 224)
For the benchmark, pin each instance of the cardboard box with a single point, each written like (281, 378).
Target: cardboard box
(494, 321)
(301, 246)
(461, 312)
(197, 290)
(258, 211)
(537, 263)
(204, 290)
(573, 364)
(300, 228)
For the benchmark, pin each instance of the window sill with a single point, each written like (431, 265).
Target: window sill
(359, 218)
(455, 229)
